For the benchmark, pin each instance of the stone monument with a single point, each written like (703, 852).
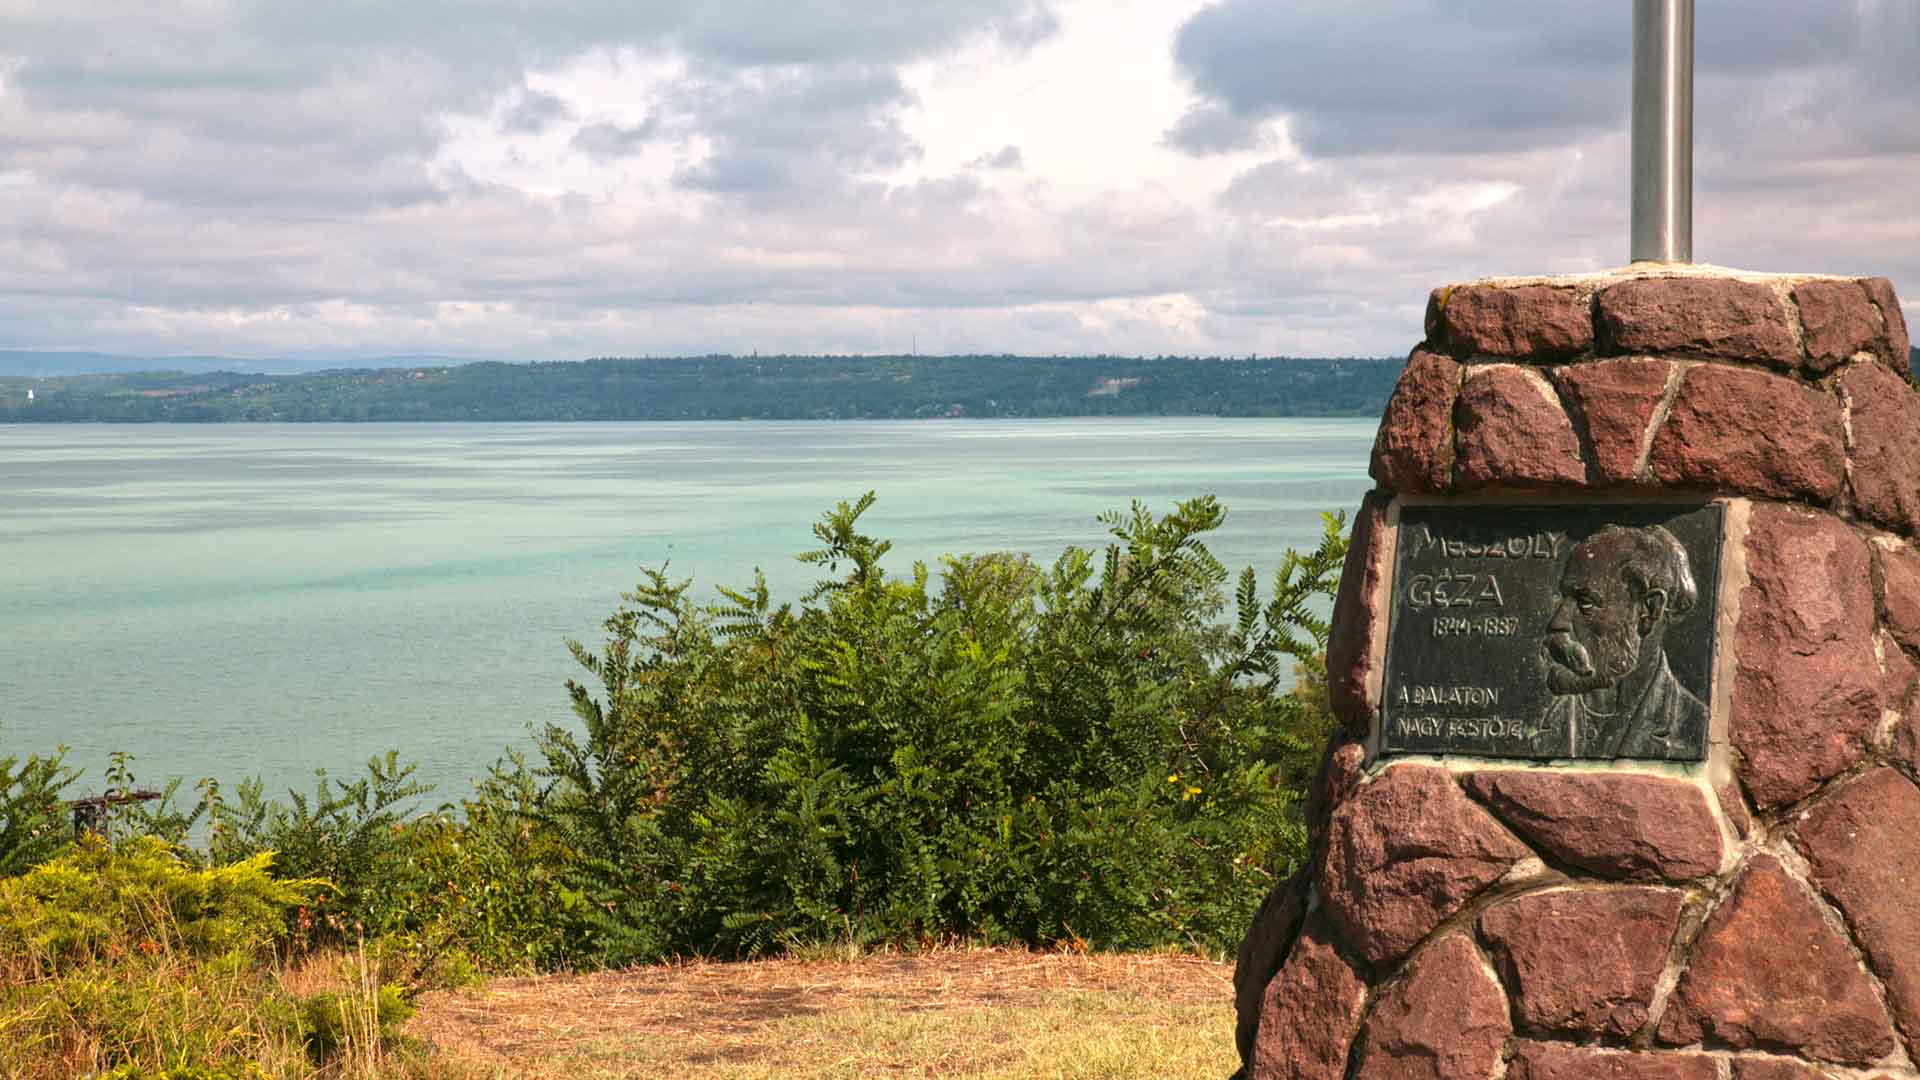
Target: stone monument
(1625, 655)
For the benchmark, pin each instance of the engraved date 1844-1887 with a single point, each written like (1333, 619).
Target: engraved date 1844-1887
(1553, 631)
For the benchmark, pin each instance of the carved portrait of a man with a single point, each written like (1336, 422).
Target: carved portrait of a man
(1614, 694)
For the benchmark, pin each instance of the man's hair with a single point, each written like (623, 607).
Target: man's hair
(1655, 560)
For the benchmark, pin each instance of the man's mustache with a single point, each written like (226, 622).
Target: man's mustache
(1570, 654)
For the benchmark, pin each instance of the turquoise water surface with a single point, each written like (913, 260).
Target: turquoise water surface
(240, 600)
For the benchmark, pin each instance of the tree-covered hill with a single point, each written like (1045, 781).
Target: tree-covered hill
(727, 388)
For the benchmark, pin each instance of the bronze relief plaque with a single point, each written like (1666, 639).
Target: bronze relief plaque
(1553, 631)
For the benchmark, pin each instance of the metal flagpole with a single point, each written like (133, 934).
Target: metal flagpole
(1663, 131)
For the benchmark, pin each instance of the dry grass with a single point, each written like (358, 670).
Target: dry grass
(982, 1014)
(169, 1009)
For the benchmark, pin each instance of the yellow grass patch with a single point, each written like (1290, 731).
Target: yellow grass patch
(985, 1014)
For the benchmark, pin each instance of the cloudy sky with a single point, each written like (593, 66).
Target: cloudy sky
(640, 177)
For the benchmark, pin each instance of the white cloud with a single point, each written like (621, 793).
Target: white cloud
(1087, 107)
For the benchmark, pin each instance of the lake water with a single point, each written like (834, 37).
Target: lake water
(242, 600)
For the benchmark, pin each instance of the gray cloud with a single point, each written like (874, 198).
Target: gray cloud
(1007, 157)
(1406, 75)
(605, 141)
(359, 90)
(1214, 128)
(1426, 76)
(534, 113)
(792, 133)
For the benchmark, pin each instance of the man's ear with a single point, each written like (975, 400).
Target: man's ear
(1653, 608)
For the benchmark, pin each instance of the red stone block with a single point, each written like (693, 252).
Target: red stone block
(1414, 448)
(1583, 961)
(1895, 342)
(1447, 1020)
(1898, 677)
(1717, 318)
(1510, 431)
(1769, 971)
(1898, 584)
(1342, 768)
(1309, 1013)
(1550, 1061)
(1837, 319)
(1617, 825)
(1733, 806)
(1781, 717)
(1863, 843)
(1759, 1068)
(1436, 329)
(1897, 669)
(1355, 627)
(1883, 417)
(1906, 738)
(1522, 322)
(1750, 433)
(1404, 853)
(1269, 939)
(1807, 689)
(1616, 399)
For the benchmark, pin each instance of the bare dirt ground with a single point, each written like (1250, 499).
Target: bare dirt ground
(986, 1014)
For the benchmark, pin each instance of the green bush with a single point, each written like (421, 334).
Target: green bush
(1013, 752)
(352, 835)
(357, 838)
(33, 818)
(433, 894)
(128, 956)
(97, 901)
(481, 887)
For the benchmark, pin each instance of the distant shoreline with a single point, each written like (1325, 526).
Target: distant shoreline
(723, 388)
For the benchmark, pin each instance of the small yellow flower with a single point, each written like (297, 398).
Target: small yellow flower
(1174, 779)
